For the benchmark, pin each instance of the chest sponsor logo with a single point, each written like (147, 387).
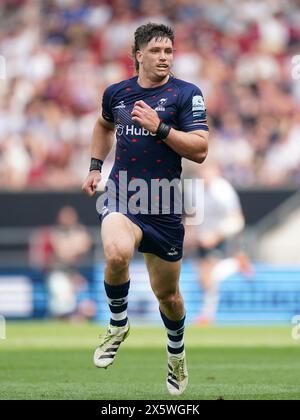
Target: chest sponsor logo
(132, 130)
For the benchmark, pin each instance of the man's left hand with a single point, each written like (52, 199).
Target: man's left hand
(145, 116)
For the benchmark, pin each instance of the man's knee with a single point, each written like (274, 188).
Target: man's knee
(117, 257)
(169, 298)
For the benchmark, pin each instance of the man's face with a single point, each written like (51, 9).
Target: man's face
(156, 58)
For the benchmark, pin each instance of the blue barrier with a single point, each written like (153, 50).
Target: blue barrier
(272, 296)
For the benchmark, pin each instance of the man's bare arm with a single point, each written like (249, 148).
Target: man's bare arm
(192, 145)
(102, 139)
(102, 142)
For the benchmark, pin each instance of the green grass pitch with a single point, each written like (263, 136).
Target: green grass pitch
(54, 361)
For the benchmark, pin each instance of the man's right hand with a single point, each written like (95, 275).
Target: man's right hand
(90, 184)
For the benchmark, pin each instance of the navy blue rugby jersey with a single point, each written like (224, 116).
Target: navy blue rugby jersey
(139, 152)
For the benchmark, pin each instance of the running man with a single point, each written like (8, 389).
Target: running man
(158, 119)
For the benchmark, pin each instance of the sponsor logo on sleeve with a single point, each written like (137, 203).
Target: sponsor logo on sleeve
(198, 103)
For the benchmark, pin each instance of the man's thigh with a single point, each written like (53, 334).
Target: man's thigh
(164, 275)
(118, 231)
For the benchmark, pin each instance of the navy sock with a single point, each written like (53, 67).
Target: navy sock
(175, 331)
(117, 297)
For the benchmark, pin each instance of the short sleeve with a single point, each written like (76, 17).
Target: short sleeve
(192, 112)
(106, 105)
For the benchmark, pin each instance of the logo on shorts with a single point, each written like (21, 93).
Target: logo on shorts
(161, 104)
(172, 252)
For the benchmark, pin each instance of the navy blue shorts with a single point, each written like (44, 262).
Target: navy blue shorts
(163, 234)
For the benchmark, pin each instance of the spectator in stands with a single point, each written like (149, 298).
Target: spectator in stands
(58, 251)
(241, 56)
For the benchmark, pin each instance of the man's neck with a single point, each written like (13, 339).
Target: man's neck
(145, 82)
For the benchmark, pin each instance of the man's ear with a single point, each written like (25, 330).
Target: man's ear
(139, 56)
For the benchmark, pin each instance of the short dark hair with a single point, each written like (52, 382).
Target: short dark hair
(145, 33)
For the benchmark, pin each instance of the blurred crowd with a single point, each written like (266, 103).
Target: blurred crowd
(58, 252)
(61, 54)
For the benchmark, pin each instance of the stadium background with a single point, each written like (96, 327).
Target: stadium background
(57, 57)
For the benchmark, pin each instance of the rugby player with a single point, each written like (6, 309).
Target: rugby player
(158, 120)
